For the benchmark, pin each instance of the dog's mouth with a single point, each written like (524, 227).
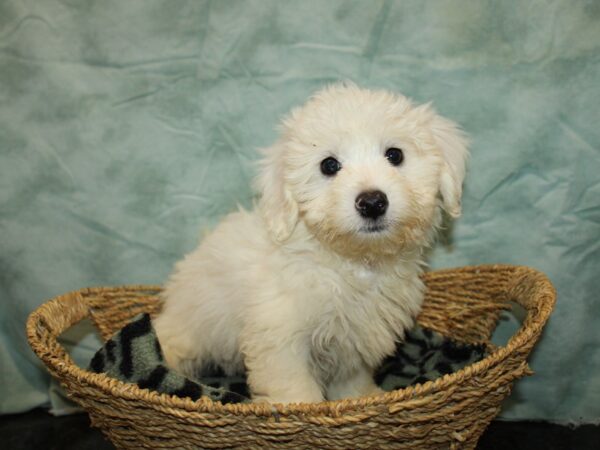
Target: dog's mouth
(372, 228)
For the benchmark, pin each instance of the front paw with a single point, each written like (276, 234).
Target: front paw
(361, 384)
(264, 399)
(374, 391)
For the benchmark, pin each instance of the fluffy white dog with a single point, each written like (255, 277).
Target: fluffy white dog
(311, 290)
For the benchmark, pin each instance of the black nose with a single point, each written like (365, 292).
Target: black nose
(371, 204)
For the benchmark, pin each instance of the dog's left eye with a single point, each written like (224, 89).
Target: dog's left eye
(395, 156)
(330, 166)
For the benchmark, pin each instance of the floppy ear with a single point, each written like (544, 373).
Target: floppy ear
(453, 143)
(277, 205)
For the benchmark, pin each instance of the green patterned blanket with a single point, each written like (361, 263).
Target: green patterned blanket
(134, 355)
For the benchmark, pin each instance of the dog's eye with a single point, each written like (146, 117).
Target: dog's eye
(394, 156)
(330, 166)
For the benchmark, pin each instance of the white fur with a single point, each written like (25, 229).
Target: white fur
(294, 291)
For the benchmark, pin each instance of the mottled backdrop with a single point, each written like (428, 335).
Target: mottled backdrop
(126, 127)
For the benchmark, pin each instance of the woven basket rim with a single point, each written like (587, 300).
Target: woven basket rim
(64, 365)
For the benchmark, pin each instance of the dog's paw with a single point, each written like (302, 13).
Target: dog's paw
(376, 390)
(264, 399)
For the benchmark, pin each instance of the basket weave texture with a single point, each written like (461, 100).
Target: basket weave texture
(450, 412)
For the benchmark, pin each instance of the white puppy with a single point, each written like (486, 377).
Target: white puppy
(309, 292)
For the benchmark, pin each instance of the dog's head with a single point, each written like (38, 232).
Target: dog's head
(363, 170)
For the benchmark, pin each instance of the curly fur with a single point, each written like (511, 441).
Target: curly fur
(295, 292)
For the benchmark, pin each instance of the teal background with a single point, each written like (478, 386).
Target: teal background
(126, 127)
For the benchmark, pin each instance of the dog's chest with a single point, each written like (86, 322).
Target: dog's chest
(352, 330)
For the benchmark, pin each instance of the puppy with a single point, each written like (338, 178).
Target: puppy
(311, 290)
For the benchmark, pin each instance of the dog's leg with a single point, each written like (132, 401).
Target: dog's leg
(174, 361)
(281, 377)
(177, 346)
(359, 384)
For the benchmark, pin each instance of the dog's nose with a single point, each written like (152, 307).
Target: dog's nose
(371, 204)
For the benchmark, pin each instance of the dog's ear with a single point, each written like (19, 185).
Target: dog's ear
(453, 144)
(277, 205)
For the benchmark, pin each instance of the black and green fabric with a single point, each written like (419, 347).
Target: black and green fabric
(134, 355)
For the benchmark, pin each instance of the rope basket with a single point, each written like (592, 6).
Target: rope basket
(450, 412)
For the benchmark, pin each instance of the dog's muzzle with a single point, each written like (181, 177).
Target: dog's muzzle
(371, 204)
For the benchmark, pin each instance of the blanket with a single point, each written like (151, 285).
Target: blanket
(134, 355)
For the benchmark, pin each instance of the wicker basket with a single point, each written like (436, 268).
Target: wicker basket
(451, 412)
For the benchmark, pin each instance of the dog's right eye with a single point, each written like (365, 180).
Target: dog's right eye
(330, 166)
